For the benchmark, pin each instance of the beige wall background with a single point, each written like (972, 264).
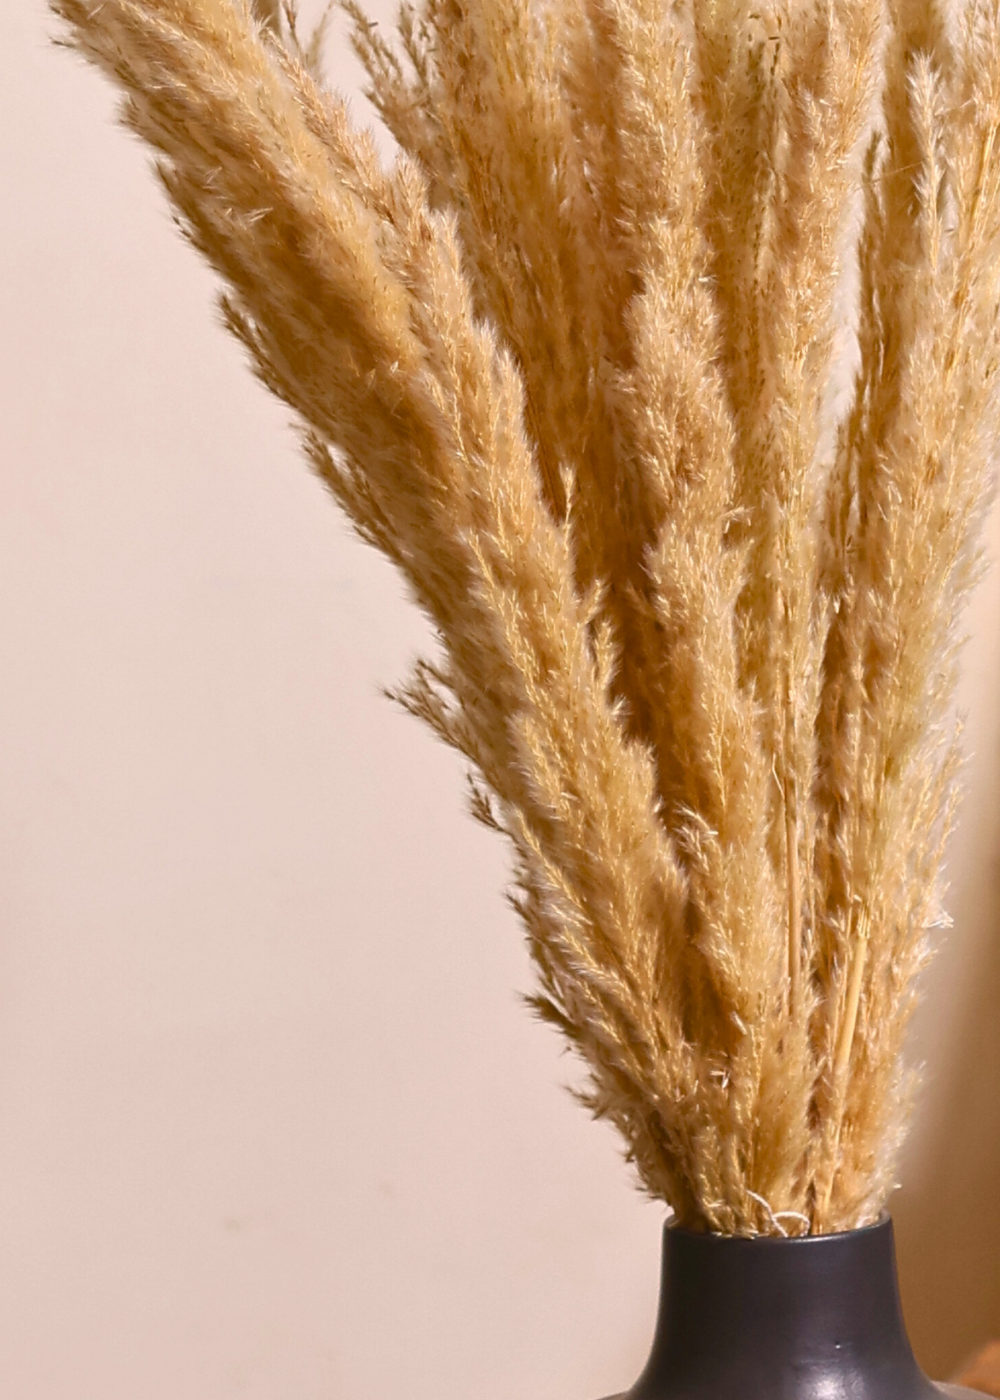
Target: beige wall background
(273, 1123)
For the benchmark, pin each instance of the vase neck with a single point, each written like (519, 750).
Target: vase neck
(814, 1318)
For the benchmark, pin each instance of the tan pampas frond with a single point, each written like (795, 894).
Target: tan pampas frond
(568, 364)
(908, 493)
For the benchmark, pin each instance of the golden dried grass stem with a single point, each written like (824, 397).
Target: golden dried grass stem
(794, 910)
(841, 1062)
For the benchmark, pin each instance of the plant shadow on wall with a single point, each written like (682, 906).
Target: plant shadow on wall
(948, 1224)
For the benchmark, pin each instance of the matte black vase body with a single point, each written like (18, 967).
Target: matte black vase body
(813, 1318)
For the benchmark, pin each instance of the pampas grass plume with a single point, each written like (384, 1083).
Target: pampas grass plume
(568, 363)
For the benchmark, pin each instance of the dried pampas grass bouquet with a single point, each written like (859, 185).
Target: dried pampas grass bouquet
(663, 365)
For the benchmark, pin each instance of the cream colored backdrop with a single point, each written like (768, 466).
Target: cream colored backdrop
(273, 1123)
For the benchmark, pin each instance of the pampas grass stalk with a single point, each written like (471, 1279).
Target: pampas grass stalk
(569, 363)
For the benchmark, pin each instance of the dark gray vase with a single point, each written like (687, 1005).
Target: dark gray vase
(813, 1318)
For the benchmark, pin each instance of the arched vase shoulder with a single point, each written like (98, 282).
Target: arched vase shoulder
(812, 1318)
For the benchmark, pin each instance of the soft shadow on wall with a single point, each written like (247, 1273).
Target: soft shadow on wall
(948, 1214)
(949, 1226)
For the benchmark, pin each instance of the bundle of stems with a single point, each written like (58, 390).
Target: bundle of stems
(575, 364)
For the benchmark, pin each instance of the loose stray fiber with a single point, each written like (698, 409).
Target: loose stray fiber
(567, 362)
